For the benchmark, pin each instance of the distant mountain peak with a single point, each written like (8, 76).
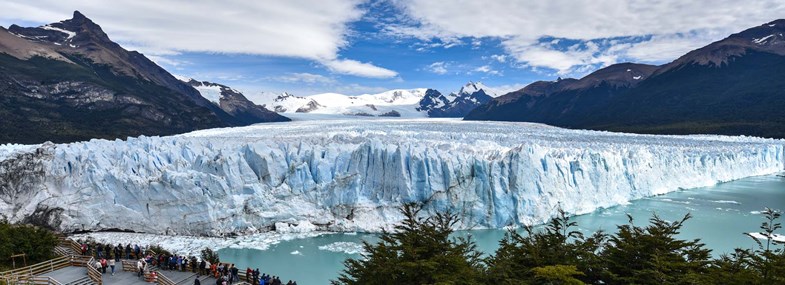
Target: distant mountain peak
(474, 87)
(471, 95)
(79, 16)
(75, 32)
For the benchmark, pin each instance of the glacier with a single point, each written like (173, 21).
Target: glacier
(352, 175)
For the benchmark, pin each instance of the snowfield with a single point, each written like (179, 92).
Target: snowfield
(402, 102)
(352, 175)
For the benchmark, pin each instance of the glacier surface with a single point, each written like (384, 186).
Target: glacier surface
(351, 175)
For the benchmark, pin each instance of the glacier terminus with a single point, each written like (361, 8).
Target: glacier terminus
(352, 175)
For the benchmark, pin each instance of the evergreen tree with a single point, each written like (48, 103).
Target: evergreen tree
(557, 274)
(768, 259)
(557, 249)
(653, 255)
(209, 255)
(36, 242)
(418, 251)
(734, 268)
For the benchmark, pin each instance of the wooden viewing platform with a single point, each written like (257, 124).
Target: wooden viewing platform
(72, 268)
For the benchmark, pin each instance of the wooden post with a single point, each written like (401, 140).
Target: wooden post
(22, 255)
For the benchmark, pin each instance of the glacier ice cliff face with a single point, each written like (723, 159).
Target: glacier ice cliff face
(352, 175)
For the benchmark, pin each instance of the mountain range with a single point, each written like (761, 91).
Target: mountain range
(68, 81)
(407, 103)
(735, 86)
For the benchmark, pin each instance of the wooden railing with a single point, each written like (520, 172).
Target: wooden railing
(163, 280)
(36, 280)
(93, 273)
(28, 272)
(81, 260)
(67, 242)
(129, 265)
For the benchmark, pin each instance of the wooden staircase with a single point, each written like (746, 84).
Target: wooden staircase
(84, 281)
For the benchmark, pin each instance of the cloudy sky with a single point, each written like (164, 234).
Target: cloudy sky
(354, 47)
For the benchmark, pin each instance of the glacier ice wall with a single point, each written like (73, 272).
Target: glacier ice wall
(352, 175)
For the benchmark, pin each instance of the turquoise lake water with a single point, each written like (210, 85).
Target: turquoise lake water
(721, 214)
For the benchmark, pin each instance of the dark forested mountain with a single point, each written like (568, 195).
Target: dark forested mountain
(734, 86)
(563, 101)
(68, 81)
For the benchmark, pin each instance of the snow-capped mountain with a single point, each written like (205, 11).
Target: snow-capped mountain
(351, 175)
(288, 103)
(457, 104)
(408, 103)
(474, 87)
(392, 103)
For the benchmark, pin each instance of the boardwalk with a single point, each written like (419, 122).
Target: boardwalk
(70, 275)
(71, 268)
(78, 276)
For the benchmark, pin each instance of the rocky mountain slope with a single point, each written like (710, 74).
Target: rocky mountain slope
(234, 102)
(563, 101)
(68, 81)
(734, 86)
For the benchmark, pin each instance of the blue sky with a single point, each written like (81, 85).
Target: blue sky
(354, 47)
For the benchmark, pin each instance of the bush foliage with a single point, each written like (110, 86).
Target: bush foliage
(37, 243)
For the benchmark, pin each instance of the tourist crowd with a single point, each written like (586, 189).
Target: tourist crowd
(108, 256)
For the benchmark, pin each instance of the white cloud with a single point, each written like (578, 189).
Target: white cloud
(476, 43)
(574, 59)
(357, 89)
(310, 29)
(499, 57)
(674, 26)
(161, 60)
(304, 77)
(487, 69)
(668, 47)
(504, 89)
(353, 67)
(439, 67)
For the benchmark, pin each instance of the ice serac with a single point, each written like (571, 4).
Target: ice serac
(352, 175)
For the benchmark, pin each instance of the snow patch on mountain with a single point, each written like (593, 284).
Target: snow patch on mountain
(67, 32)
(762, 40)
(209, 92)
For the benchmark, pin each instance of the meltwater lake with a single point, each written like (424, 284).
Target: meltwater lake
(721, 215)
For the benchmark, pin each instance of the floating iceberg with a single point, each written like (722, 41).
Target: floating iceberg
(352, 175)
